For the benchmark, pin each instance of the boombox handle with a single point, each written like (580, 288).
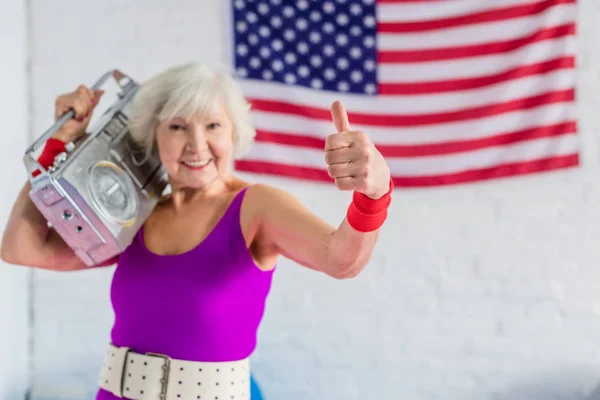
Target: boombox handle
(30, 162)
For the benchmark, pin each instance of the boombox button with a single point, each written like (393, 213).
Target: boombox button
(60, 158)
(66, 215)
(49, 195)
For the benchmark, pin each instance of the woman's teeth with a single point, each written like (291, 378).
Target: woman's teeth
(196, 164)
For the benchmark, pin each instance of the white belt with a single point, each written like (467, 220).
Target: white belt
(151, 376)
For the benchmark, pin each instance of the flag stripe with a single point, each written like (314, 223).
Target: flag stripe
(479, 66)
(437, 148)
(478, 82)
(469, 176)
(438, 164)
(398, 25)
(415, 102)
(461, 36)
(403, 11)
(424, 119)
(498, 47)
(424, 134)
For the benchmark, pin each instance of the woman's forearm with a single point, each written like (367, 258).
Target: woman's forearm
(350, 250)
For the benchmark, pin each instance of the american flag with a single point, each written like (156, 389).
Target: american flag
(449, 91)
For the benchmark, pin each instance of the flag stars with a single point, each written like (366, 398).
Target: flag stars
(289, 35)
(251, 17)
(255, 62)
(343, 86)
(242, 50)
(290, 78)
(316, 84)
(302, 4)
(342, 63)
(301, 24)
(288, 11)
(355, 30)
(341, 39)
(290, 58)
(329, 50)
(253, 39)
(324, 44)
(264, 31)
(315, 37)
(369, 21)
(328, 27)
(342, 19)
(355, 52)
(303, 71)
(315, 16)
(264, 52)
(277, 45)
(263, 9)
(303, 48)
(277, 65)
(267, 74)
(356, 76)
(276, 22)
(241, 26)
(329, 74)
(355, 9)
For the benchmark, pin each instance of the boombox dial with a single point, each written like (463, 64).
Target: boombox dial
(113, 192)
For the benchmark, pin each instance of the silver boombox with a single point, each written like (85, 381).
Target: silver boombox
(101, 189)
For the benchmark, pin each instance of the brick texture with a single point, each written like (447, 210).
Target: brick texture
(478, 292)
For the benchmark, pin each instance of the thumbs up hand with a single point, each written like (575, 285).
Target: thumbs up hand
(352, 160)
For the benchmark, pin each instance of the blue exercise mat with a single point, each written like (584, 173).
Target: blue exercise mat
(255, 393)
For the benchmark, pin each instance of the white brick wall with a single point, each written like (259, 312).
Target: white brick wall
(484, 292)
(14, 299)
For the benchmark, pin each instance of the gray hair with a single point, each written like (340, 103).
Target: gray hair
(186, 90)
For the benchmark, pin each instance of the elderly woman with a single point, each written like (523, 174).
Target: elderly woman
(189, 292)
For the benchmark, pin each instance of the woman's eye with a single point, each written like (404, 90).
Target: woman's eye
(214, 125)
(175, 127)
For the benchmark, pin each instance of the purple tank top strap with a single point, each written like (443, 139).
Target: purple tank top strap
(231, 222)
(236, 206)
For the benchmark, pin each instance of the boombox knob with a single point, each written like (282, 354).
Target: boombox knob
(60, 158)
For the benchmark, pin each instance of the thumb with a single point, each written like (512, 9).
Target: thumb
(340, 117)
(98, 94)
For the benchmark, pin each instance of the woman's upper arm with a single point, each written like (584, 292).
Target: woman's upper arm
(285, 223)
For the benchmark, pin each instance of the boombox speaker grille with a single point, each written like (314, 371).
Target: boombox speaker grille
(113, 193)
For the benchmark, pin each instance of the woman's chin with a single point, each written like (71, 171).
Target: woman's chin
(195, 178)
(196, 182)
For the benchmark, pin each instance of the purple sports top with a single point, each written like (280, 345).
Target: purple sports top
(202, 305)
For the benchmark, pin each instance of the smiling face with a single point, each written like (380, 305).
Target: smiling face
(196, 119)
(196, 151)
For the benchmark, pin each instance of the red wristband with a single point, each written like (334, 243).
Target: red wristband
(365, 214)
(52, 148)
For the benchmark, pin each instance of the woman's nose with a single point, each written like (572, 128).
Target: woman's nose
(198, 139)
